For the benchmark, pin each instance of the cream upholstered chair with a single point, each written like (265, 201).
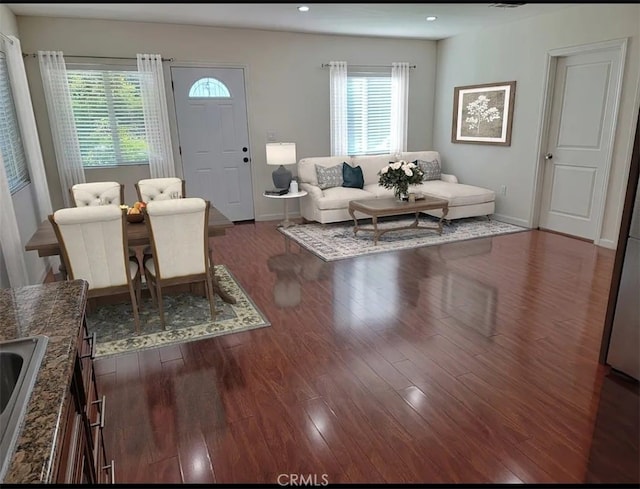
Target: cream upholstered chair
(93, 243)
(151, 189)
(178, 229)
(97, 193)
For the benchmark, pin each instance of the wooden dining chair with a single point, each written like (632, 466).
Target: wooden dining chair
(151, 189)
(94, 247)
(97, 193)
(178, 232)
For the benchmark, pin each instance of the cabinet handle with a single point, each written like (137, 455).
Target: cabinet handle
(92, 340)
(112, 468)
(102, 403)
(88, 337)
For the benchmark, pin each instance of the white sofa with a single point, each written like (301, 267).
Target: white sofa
(331, 204)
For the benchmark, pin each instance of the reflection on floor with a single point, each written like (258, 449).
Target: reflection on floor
(616, 436)
(468, 362)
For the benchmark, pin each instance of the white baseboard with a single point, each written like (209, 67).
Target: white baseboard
(269, 217)
(276, 217)
(511, 220)
(607, 243)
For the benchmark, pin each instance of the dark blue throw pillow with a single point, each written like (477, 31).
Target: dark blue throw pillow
(352, 177)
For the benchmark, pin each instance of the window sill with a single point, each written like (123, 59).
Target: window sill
(113, 167)
(19, 187)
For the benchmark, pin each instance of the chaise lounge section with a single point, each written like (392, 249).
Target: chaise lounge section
(330, 204)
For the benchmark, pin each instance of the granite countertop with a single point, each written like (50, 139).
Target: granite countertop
(55, 310)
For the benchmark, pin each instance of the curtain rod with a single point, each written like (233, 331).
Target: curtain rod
(6, 38)
(326, 65)
(34, 55)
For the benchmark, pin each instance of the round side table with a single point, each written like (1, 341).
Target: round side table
(285, 198)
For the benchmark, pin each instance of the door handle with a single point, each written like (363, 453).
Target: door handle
(548, 156)
(245, 159)
(245, 149)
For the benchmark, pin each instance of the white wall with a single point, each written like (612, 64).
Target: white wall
(517, 51)
(24, 201)
(287, 90)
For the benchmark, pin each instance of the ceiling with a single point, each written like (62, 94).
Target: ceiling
(400, 20)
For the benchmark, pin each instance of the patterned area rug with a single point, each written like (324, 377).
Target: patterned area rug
(336, 241)
(187, 318)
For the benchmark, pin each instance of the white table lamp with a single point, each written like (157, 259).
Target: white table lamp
(281, 154)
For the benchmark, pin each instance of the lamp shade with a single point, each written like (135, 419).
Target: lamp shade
(281, 153)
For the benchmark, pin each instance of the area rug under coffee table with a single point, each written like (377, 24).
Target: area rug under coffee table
(188, 318)
(336, 241)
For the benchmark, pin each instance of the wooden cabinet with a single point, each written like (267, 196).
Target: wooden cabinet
(82, 456)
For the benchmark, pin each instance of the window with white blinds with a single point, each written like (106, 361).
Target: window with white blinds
(368, 113)
(11, 147)
(107, 108)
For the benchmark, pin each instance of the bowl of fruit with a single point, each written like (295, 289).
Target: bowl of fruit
(134, 213)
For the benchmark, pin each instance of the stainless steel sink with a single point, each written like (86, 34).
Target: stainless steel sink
(19, 365)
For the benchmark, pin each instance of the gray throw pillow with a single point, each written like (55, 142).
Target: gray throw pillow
(329, 176)
(430, 169)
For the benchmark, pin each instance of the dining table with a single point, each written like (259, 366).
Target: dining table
(44, 241)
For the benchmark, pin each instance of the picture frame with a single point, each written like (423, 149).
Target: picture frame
(483, 114)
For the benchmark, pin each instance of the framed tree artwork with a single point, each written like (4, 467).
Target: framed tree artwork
(483, 114)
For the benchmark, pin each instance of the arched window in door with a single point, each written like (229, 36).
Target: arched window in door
(209, 88)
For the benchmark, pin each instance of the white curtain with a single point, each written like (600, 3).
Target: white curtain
(399, 107)
(28, 128)
(338, 108)
(12, 251)
(156, 116)
(29, 131)
(63, 125)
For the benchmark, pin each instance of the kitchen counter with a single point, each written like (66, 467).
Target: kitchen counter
(55, 310)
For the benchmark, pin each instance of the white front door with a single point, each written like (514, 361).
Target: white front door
(211, 112)
(581, 128)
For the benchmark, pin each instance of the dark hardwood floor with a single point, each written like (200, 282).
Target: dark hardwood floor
(474, 361)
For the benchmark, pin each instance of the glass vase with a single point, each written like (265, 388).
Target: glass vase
(400, 193)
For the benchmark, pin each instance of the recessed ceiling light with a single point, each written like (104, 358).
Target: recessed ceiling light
(431, 18)
(303, 8)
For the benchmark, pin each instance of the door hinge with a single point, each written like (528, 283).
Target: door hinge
(172, 86)
(180, 149)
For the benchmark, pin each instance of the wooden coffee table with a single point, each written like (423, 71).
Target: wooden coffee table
(391, 207)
